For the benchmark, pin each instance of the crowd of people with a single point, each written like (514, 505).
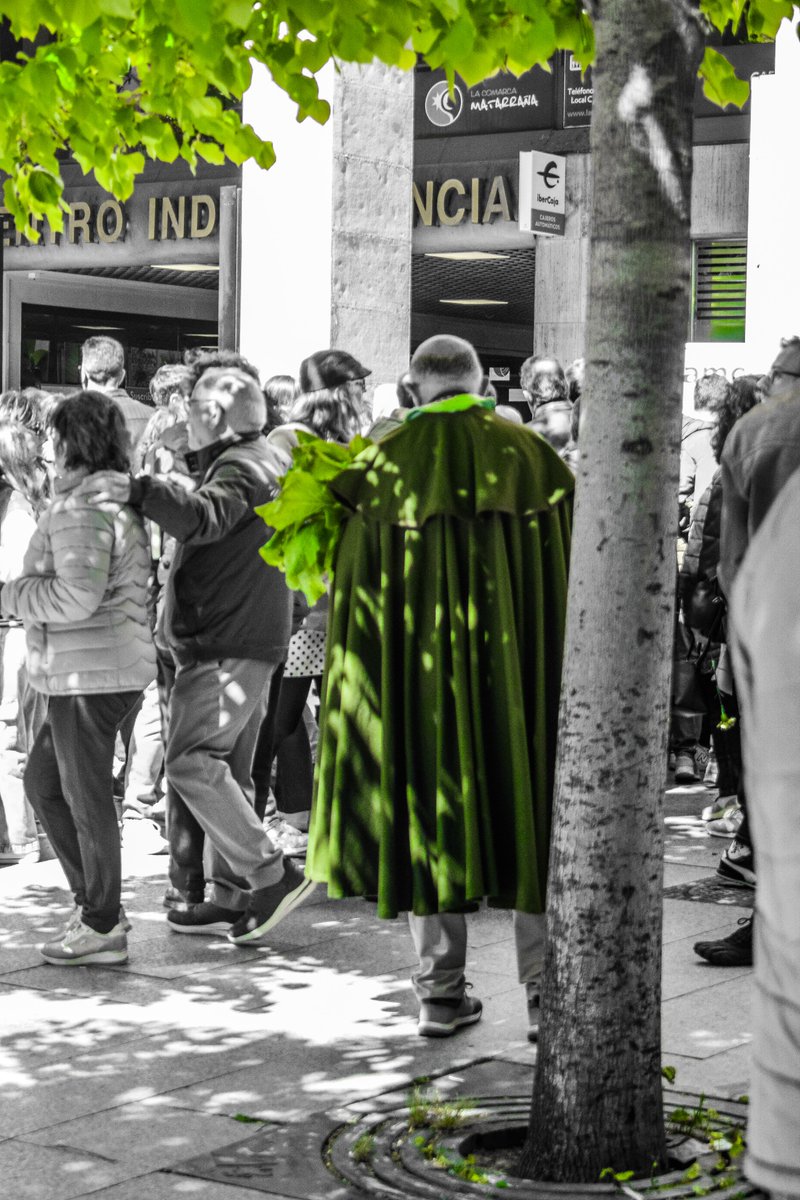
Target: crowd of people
(160, 681)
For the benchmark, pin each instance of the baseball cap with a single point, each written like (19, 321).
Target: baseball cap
(329, 369)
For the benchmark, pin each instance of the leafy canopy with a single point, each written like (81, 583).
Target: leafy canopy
(121, 80)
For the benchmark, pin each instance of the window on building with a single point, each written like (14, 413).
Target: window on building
(719, 291)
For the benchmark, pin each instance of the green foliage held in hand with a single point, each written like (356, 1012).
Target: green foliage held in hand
(119, 81)
(306, 516)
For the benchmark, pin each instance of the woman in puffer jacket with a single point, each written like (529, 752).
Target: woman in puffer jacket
(81, 597)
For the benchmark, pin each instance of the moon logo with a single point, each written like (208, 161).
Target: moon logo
(441, 108)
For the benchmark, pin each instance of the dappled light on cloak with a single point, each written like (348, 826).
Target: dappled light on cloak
(439, 712)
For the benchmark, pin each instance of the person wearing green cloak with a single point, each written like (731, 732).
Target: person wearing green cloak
(438, 724)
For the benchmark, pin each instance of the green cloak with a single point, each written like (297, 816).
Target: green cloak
(438, 725)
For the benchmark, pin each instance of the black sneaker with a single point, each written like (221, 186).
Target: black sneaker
(736, 865)
(270, 905)
(175, 898)
(205, 919)
(736, 950)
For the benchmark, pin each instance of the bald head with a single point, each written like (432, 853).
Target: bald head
(237, 394)
(444, 365)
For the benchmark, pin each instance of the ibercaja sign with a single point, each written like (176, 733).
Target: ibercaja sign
(498, 105)
(542, 193)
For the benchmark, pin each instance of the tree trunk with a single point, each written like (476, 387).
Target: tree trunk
(597, 1091)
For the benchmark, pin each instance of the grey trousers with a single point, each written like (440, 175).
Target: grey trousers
(216, 710)
(441, 945)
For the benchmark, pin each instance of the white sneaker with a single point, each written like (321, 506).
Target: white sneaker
(729, 824)
(81, 946)
(713, 812)
(75, 920)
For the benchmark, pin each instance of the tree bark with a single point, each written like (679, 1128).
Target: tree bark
(597, 1091)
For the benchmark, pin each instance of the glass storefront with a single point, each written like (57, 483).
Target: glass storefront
(52, 338)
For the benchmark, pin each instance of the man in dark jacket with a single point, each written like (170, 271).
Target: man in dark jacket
(103, 370)
(227, 620)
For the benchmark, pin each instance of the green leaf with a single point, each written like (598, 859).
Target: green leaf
(248, 1120)
(44, 188)
(669, 1074)
(721, 84)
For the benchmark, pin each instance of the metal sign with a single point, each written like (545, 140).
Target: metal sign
(542, 193)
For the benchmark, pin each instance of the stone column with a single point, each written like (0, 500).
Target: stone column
(562, 265)
(373, 144)
(773, 248)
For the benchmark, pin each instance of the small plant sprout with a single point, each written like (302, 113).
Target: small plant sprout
(363, 1147)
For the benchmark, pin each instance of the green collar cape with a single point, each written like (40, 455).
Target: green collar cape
(440, 698)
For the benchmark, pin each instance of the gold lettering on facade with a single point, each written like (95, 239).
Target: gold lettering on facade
(79, 215)
(111, 232)
(173, 223)
(437, 206)
(457, 216)
(152, 208)
(424, 207)
(497, 201)
(199, 205)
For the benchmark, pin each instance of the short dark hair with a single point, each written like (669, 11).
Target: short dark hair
(198, 363)
(169, 379)
(102, 359)
(711, 391)
(445, 357)
(92, 433)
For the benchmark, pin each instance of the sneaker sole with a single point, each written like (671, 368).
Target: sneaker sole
(213, 929)
(99, 958)
(289, 902)
(439, 1029)
(736, 879)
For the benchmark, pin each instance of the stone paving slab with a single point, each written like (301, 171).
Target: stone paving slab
(702, 1024)
(31, 1172)
(283, 1160)
(724, 1074)
(163, 1186)
(144, 1138)
(683, 973)
(683, 918)
(33, 1098)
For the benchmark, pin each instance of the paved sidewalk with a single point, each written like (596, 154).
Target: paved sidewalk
(114, 1077)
